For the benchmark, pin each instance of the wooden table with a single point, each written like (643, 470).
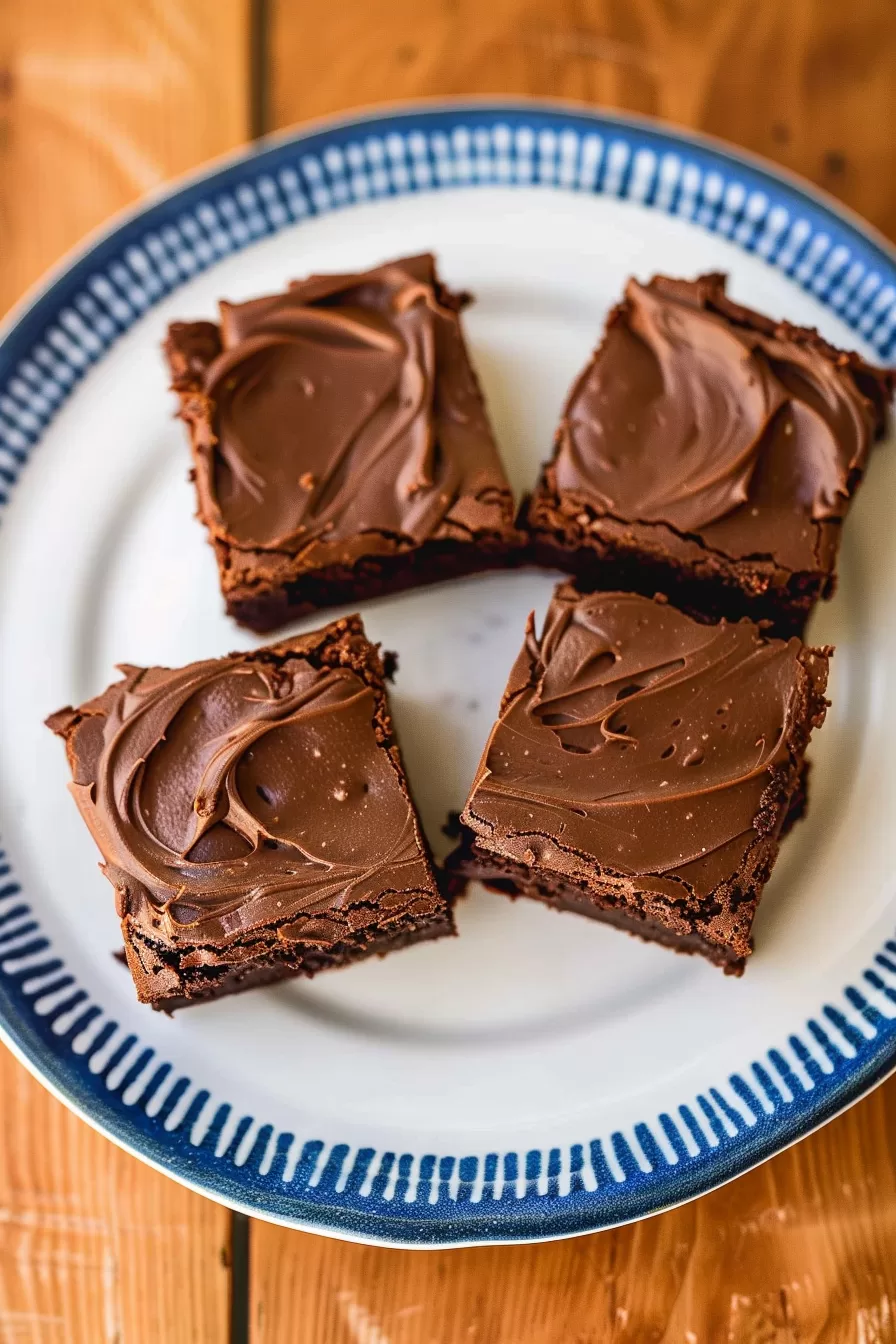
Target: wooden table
(101, 100)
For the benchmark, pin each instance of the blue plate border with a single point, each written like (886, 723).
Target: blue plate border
(120, 1085)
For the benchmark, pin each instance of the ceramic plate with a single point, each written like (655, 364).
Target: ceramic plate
(540, 1075)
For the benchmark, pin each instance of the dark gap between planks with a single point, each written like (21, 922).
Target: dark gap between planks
(239, 1278)
(259, 68)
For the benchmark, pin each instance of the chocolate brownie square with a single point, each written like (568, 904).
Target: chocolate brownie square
(710, 453)
(340, 442)
(253, 816)
(642, 769)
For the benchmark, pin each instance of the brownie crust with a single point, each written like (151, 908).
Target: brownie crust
(265, 607)
(602, 553)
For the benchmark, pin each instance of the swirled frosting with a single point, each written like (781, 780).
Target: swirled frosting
(711, 419)
(245, 792)
(345, 407)
(636, 738)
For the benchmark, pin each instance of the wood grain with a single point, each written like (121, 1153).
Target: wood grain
(99, 101)
(811, 83)
(95, 1248)
(803, 1249)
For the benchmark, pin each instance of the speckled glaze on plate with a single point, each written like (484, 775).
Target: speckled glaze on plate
(539, 1076)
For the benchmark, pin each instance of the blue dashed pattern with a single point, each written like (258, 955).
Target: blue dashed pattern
(107, 1072)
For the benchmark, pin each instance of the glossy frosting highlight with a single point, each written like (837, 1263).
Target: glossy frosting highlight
(632, 734)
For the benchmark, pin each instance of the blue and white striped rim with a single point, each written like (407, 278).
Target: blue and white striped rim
(118, 1084)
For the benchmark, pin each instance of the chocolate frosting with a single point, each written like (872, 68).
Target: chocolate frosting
(243, 792)
(631, 735)
(346, 406)
(711, 419)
